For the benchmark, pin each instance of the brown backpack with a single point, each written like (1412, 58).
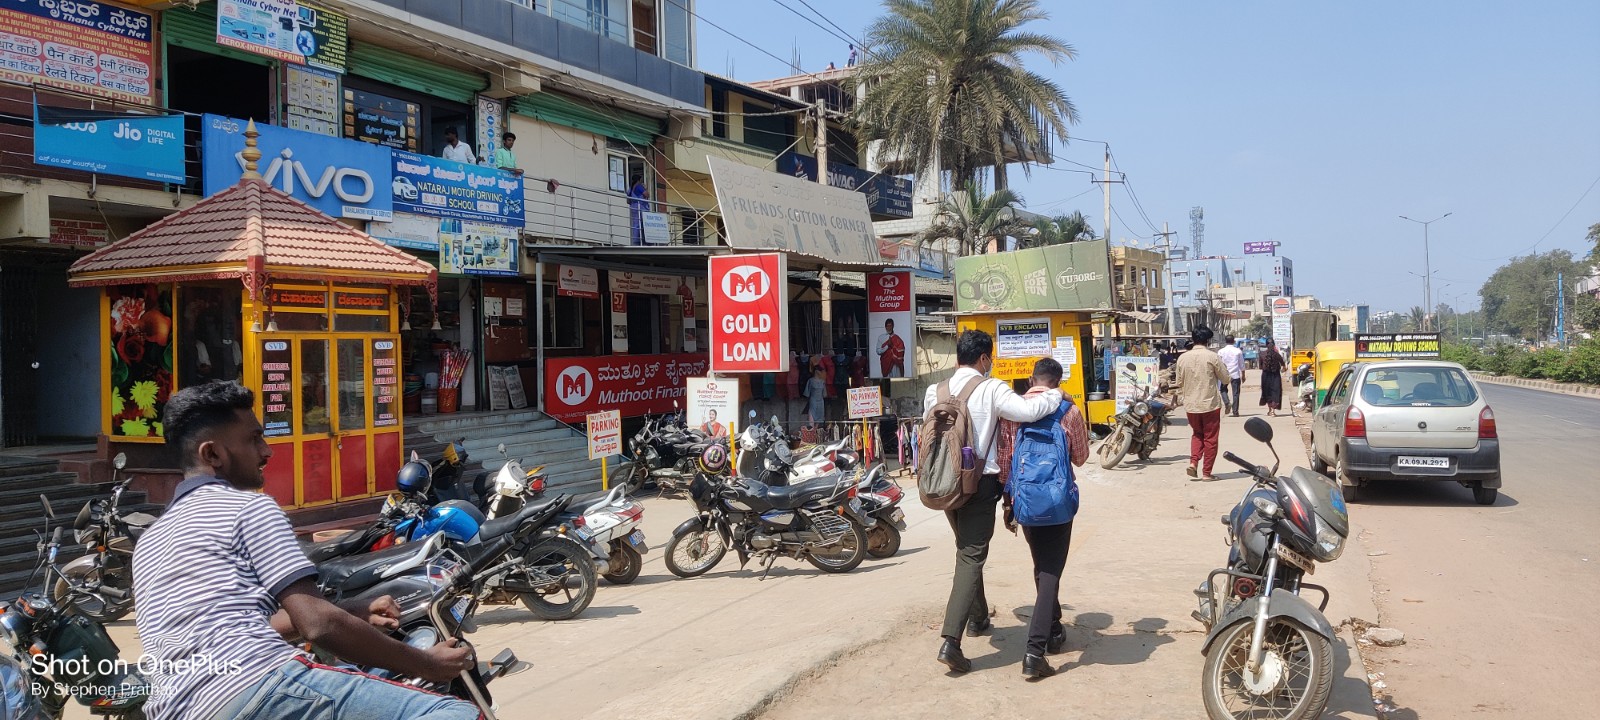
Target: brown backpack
(946, 429)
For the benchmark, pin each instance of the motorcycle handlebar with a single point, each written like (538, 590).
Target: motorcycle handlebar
(1235, 459)
(113, 592)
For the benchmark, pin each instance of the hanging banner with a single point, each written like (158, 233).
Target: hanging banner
(141, 344)
(449, 189)
(713, 405)
(644, 283)
(80, 234)
(575, 281)
(417, 232)
(343, 178)
(1071, 276)
(147, 147)
(891, 317)
(1129, 383)
(90, 47)
(474, 248)
(655, 228)
(1397, 346)
(303, 33)
(619, 323)
(1022, 338)
(491, 113)
(886, 194)
(313, 100)
(764, 210)
(749, 313)
(636, 385)
(1282, 326)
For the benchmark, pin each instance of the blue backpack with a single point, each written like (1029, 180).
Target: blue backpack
(1041, 486)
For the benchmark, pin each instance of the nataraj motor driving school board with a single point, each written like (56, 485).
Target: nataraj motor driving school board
(749, 314)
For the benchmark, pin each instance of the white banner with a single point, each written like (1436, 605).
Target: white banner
(713, 404)
(1143, 377)
(574, 281)
(645, 283)
(865, 402)
(764, 210)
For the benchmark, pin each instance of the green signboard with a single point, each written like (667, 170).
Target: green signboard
(1072, 276)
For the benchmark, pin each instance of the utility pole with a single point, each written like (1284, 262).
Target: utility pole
(823, 276)
(1166, 270)
(1427, 275)
(1561, 316)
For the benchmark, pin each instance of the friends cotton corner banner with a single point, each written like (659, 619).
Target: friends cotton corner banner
(749, 313)
(891, 314)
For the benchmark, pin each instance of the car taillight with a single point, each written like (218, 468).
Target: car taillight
(1486, 428)
(1355, 424)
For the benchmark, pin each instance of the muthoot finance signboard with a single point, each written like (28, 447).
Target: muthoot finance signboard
(749, 313)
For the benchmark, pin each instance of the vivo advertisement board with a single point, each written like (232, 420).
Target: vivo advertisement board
(448, 189)
(343, 178)
(147, 147)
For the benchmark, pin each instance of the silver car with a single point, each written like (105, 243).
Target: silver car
(1407, 420)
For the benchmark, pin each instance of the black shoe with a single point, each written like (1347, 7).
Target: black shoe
(1056, 643)
(1036, 667)
(950, 655)
(976, 628)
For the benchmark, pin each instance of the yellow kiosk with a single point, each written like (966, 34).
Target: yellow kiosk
(1036, 303)
(254, 286)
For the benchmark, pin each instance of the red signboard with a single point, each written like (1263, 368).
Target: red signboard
(890, 292)
(749, 313)
(635, 384)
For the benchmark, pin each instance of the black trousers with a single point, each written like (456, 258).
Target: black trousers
(1049, 544)
(973, 524)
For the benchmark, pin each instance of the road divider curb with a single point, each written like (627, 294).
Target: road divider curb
(1577, 389)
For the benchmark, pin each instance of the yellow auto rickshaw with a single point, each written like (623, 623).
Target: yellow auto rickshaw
(1327, 360)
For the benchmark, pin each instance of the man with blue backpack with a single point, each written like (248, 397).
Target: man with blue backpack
(1041, 492)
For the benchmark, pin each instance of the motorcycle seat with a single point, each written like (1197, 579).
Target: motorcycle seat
(789, 497)
(349, 543)
(502, 525)
(137, 523)
(359, 572)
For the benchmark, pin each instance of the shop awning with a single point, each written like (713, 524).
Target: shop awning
(253, 233)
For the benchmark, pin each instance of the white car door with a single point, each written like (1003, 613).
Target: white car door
(1329, 419)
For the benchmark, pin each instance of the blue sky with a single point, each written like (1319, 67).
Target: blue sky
(1313, 124)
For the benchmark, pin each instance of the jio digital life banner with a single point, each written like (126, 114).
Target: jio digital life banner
(749, 313)
(891, 318)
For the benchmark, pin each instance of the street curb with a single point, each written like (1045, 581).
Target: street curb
(901, 625)
(1574, 389)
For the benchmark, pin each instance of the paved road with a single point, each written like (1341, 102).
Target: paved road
(1497, 603)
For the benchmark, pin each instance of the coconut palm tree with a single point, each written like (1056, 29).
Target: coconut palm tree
(976, 221)
(952, 70)
(1416, 318)
(1061, 229)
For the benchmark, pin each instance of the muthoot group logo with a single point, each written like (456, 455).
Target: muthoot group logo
(574, 385)
(746, 283)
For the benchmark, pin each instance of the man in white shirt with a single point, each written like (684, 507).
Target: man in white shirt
(973, 522)
(456, 150)
(1233, 359)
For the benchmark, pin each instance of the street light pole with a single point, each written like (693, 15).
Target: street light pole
(1427, 279)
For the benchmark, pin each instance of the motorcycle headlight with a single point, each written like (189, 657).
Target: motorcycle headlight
(10, 630)
(1330, 545)
(1141, 409)
(14, 690)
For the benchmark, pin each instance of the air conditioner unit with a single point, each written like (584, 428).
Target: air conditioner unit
(511, 82)
(682, 126)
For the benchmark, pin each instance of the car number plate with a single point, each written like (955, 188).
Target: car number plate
(636, 538)
(1407, 461)
(1297, 560)
(897, 516)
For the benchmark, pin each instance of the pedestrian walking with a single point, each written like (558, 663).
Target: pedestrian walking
(1233, 359)
(1200, 373)
(1272, 367)
(987, 402)
(1048, 543)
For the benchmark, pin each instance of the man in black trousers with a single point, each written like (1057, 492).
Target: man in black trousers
(973, 522)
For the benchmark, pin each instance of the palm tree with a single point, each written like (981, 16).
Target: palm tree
(975, 221)
(1416, 317)
(946, 78)
(1061, 229)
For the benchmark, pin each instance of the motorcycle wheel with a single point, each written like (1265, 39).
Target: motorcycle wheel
(1298, 661)
(569, 594)
(98, 609)
(1115, 448)
(844, 555)
(701, 550)
(883, 540)
(625, 562)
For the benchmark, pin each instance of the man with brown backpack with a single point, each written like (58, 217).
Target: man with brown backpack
(959, 474)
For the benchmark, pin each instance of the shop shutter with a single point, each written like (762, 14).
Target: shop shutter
(197, 30)
(413, 73)
(588, 117)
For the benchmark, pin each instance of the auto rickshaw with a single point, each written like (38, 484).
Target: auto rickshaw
(1327, 360)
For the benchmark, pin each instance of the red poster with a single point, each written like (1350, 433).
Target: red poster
(891, 318)
(889, 292)
(749, 314)
(635, 385)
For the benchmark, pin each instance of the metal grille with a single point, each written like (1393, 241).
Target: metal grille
(829, 525)
(18, 345)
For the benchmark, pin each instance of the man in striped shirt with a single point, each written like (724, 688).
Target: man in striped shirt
(223, 587)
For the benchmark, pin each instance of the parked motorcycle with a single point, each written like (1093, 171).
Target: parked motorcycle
(61, 653)
(1306, 386)
(435, 588)
(1268, 652)
(109, 533)
(667, 454)
(880, 500)
(1137, 428)
(821, 521)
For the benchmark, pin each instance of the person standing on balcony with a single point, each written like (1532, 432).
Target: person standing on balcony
(456, 150)
(638, 203)
(504, 158)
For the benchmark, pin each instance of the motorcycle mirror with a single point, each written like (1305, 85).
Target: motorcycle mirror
(752, 414)
(502, 448)
(48, 512)
(1259, 429)
(120, 461)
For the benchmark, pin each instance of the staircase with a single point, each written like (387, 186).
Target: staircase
(22, 481)
(531, 437)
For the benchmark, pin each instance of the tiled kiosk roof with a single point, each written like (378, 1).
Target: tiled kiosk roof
(252, 232)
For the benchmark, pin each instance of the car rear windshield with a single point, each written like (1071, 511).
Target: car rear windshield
(1431, 386)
